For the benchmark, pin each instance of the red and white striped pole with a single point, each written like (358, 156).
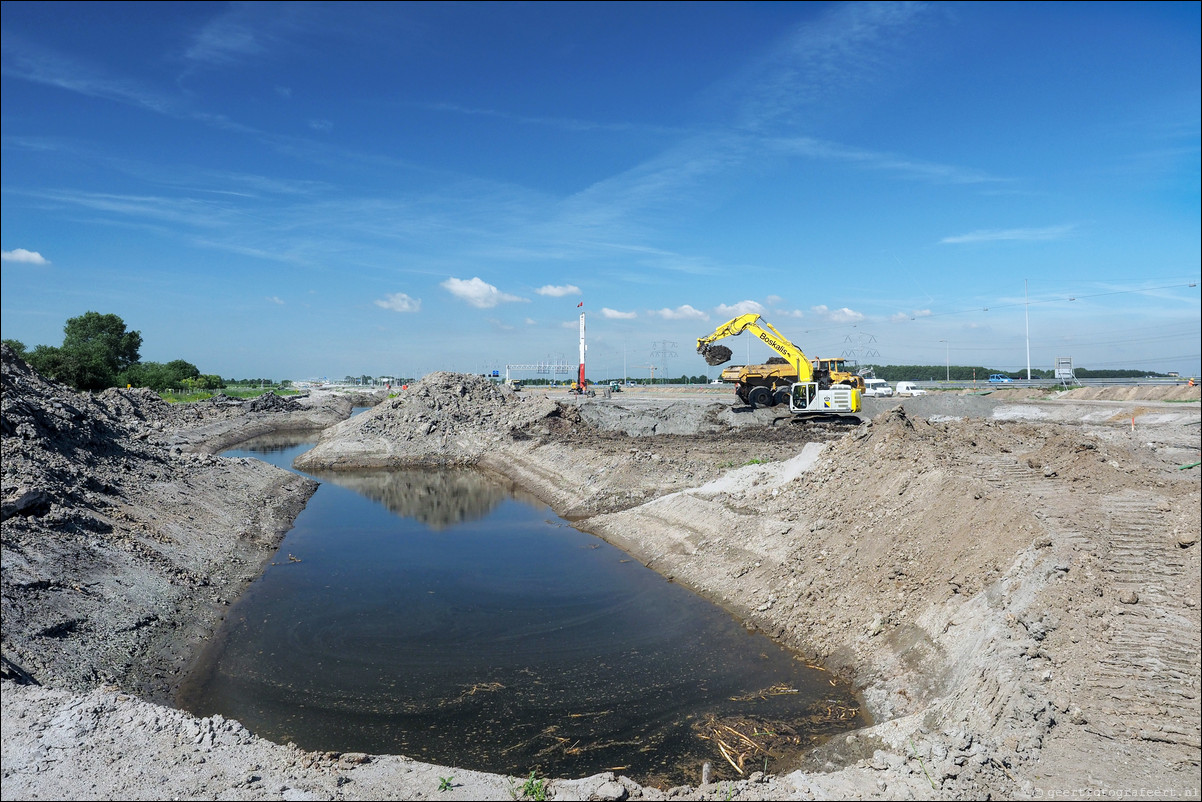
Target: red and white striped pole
(582, 346)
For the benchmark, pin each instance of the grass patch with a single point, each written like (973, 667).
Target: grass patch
(205, 395)
(534, 788)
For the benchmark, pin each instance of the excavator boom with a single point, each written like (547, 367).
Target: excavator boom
(719, 354)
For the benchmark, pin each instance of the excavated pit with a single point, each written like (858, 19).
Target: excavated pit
(1011, 579)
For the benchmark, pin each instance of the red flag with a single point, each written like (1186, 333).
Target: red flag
(580, 304)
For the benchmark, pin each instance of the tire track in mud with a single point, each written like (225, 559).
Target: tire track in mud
(1149, 638)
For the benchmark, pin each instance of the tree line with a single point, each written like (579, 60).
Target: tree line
(99, 352)
(963, 373)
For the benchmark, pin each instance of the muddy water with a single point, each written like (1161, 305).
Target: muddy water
(444, 616)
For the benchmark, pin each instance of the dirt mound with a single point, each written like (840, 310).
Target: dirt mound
(684, 418)
(270, 402)
(446, 418)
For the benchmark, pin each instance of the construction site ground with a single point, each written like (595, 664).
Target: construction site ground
(1010, 579)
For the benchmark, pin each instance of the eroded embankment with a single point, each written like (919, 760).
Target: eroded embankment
(122, 548)
(971, 575)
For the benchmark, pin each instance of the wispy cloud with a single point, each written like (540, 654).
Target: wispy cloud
(244, 32)
(24, 257)
(223, 42)
(559, 291)
(614, 314)
(478, 292)
(1011, 235)
(399, 302)
(827, 56)
(275, 300)
(684, 312)
(931, 172)
(144, 207)
(562, 123)
(24, 60)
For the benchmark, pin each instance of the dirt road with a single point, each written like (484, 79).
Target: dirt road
(1012, 580)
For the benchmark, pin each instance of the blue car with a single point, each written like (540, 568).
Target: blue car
(999, 377)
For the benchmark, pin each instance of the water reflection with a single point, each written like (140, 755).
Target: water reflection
(445, 620)
(436, 498)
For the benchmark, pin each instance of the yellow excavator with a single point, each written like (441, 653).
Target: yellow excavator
(806, 386)
(837, 367)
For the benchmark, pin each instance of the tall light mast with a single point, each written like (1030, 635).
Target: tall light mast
(582, 346)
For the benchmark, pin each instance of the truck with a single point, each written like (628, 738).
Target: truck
(776, 381)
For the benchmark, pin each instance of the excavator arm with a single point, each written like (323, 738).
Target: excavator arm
(718, 354)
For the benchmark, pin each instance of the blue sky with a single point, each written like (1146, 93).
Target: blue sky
(302, 190)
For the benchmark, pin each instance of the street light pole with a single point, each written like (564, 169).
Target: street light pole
(1027, 306)
(947, 358)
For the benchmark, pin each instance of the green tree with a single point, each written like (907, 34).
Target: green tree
(46, 360)
(106, 332)
(157, 376)
(96, 348)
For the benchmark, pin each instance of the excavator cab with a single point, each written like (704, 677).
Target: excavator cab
(802, 396)
(808, 398)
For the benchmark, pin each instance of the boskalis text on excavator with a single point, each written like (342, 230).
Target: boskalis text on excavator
(805, 385)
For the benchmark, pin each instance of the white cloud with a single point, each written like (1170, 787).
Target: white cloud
(531, 321)
(846, 315)
(400, 302)
(324, 126)
(558, 291)
(275, 300)
(684, 312)
(22, 256)
(1010, 234)
(741, 308)
(477, 292)
(614, 314)
(843, 315)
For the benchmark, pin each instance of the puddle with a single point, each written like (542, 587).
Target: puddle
(444, 616)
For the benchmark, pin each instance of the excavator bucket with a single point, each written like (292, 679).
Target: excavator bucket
(715, 354)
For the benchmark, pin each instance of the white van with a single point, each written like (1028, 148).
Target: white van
(909, 388)
(877, 388)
